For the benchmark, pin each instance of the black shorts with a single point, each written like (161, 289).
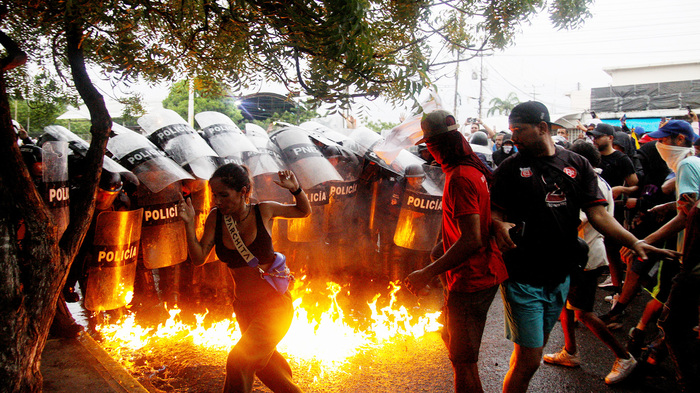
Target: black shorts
(465, 317)
(582, 290)
(657, 276)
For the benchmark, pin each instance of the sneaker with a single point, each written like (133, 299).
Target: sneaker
(563, 358)
(607, 283)
(612, 299)
(656, 351)
(622, 368)
(635, 342)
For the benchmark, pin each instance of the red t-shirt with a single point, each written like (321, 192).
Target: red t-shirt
(466, 192)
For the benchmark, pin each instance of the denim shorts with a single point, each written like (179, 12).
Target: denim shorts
(532, 311)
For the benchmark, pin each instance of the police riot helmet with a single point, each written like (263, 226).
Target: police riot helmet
(479, 138)
(45, 137)
(110, 181)
(331, 151)
(108, 189)
(414, 170)
(32, 158)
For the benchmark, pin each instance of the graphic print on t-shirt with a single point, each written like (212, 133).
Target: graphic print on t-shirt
(555, 196)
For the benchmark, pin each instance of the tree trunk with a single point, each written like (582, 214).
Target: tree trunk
(34, 269)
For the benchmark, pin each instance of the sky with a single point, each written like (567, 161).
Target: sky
(545, 64)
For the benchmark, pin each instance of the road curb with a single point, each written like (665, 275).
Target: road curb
(117, 376)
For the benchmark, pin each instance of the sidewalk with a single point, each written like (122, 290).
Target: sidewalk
(81, 365)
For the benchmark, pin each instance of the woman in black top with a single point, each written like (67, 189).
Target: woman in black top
(263, 314)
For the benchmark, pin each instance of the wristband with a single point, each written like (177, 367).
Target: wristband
(297, 191)
(637, 242)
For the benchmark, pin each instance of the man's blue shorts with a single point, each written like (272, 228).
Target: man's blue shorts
(531, 311)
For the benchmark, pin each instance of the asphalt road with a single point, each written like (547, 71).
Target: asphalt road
(421, 365)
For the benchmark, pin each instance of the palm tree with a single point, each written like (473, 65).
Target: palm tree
(503, 107)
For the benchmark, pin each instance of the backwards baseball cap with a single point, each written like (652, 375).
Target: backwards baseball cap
(673, 128)
(602, 129)
(435, 123)
(531, 112)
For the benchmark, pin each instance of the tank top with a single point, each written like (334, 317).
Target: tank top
(261, 247)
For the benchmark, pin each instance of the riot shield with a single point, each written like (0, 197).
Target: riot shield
(171, 133)
(79, 146)
(485, 150)
(112, 268)
(420, 216)
(163, 239)
(404, 159)
(365, 139)
(311, 228)
(225, 137)
(343, 194)
(54, 157)
(137, 154)
(264, 166)
(203, 202)
(304, 158)
(326, 136)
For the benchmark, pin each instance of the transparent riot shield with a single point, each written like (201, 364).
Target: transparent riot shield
(264, 166)
(403, 159)
(54, 157)
(365, 139)
(311, 228)
(139, 155)
(420, 216)
(163, 239)
(225, 137)
(171, 133)
(343, 194)
(79, 146)
(326, 136)
(304, 158)
(202, 201)
(112, 268)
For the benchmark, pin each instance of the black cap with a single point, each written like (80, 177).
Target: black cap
(602, 129)
(531, 112)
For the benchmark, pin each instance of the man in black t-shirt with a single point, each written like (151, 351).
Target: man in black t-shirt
(617, 167)
(537, 195)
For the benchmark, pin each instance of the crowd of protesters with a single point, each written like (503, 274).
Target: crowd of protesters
(538, 216)
(616, 200)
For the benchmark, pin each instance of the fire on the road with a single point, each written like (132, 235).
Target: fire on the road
(322, 336)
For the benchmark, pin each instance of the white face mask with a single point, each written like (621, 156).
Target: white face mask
(507, 149)
(673, 154)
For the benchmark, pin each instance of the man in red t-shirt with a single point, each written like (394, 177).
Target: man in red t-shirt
(471, 262)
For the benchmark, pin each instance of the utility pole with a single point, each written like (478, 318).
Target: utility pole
(454, 112)
(190, 102)
(481, 83)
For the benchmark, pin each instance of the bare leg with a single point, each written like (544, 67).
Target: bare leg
(567, 326)
(651, 311)
(524, 362)
(467, 378)
(595, 325)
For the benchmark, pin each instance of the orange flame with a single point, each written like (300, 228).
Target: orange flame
(323, 340)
